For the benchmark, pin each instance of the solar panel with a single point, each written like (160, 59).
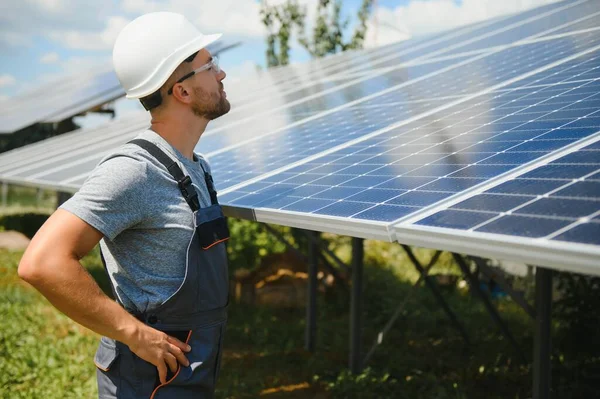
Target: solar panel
(560, 17)
(88, 158)
(404, 170)
(272, 151)
(59, 100)
(551, 207)
(554, 198)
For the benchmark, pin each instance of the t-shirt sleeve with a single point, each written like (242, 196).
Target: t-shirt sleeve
(111, 199)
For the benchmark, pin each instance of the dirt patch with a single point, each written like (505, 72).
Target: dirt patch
(13, 240)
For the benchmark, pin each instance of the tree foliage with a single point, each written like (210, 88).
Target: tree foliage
(327, 36)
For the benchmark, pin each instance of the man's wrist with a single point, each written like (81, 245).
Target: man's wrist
(129, 331)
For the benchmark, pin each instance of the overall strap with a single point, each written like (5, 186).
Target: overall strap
(184, 182)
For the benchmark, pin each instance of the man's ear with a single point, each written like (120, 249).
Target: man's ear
(181, 93)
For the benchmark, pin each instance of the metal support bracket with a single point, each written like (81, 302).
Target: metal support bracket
(499, 278)
(542, 343)
(399, 309)
(474, 284)
(311, 298)
(356, 305)
(438, 295)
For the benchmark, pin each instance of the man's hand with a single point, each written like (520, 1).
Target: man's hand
(160, 349)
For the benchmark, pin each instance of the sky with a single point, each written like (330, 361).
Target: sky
(42, 40)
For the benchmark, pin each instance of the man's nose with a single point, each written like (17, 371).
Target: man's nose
(222, 75)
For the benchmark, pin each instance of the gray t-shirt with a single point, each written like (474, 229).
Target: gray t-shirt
(133, 200)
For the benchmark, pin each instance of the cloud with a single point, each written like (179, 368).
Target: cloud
(23, 21)
(49, 58)
(234, 17)
(93, 26)
(230, 16)
(76, 39)
(50, 5)
(420, 17)
(7, 80)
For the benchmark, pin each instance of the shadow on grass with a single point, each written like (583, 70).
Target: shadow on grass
(422, 356)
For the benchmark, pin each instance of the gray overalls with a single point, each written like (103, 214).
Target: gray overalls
(196, 313)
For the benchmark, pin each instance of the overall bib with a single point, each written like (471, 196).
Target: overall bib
(195, 314)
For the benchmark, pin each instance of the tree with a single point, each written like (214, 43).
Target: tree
(327, 34)
(279, 21)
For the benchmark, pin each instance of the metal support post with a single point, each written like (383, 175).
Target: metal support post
(356, 305)
(438, 295)
(542, 343)
(501, 280)
(326, 250)
(399, 309)
(311, 300)
(474, 284)
(38, 197)
(4, 194)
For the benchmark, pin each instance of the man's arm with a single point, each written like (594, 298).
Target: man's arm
(51, 265)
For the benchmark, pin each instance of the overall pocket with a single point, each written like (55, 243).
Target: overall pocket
(211, 226)
(198, 379)
(106, 354)
(107, 365)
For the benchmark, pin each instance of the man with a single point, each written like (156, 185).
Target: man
(152, 206)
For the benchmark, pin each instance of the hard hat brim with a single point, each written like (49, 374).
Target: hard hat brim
(168, 66)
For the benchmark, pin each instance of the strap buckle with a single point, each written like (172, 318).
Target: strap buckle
(184, 185)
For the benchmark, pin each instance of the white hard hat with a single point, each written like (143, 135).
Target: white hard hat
(151, 47)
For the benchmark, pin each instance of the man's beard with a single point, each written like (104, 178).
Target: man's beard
(209, 105)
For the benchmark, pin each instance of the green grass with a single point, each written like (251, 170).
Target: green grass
(45, 355)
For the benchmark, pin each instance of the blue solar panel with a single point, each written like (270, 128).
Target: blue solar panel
(592, 20)
(399, 172)
(265, 152)
(59, 100)
(559, 201)
(216, 139)
(482, 34)
(535, 27)
(574, 71)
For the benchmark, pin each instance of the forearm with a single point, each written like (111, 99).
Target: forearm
(71, 289)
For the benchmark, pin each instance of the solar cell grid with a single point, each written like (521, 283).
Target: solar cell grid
(558, 201)
(391, 166)
(568, 14)
(590, 22)
(287, 145)
(498, 26)
(576, 71)
(47, 102)
(466, 79)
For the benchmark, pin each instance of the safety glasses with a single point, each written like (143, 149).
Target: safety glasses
(213, 65)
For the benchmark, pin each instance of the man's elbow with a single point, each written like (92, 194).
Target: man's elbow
(32, 267)
(28, 270)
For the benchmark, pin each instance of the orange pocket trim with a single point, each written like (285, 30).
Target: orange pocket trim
(176, 373)
(101, 368)
(215, 243)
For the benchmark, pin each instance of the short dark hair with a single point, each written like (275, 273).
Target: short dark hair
(155, 99)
